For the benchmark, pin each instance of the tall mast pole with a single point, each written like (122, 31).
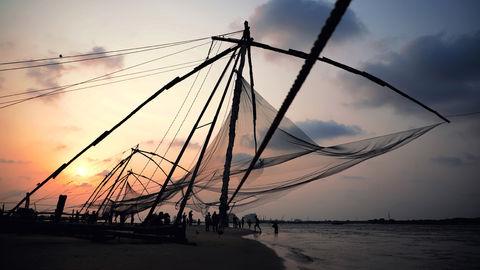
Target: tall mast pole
(223, 209)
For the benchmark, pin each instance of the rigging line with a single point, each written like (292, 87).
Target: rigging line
(103, 84)
(84, 59)
(463, 114)
(161, 157)
(108, 74)
(208, 55)
(171, 124)
(322, 39)
(108, 83)
(169, 127)
(113, 51)
(189, 109)
(191, 105)
(139, 181)
(107, 78)
(143, 176)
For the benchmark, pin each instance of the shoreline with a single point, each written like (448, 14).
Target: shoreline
(210, 251)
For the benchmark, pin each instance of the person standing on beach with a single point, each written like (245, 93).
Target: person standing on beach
(249, 222)
(190, 218)
(242, 223)
(215, 221)
(208, 220)
(275, 227)
(257, 225)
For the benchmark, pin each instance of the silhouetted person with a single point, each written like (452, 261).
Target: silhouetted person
(190, 218)
(249, 223)
(94, 217)
(215, 221)
(208, 221)
(123, 218)
(235, 222)
(166, 218)
(184, 218)
(198, 222)
(257, 225)
(275, 227)
(242, 223)
(131, 218)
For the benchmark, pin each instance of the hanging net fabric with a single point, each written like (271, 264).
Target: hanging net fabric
(290, 160)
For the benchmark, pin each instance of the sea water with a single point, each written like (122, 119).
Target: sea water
(374, 246)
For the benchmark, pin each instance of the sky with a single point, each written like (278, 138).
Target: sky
(426, 48)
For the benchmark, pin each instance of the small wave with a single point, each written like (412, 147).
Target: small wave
(298, 255)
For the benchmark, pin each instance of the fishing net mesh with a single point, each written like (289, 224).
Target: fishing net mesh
(290, 160)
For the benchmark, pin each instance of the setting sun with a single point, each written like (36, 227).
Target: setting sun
(81, 171)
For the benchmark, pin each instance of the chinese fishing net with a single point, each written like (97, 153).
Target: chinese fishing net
(290, 160)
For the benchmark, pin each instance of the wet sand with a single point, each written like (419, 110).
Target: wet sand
(229, 251)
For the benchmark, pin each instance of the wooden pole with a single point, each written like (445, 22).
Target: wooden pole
(223, 209)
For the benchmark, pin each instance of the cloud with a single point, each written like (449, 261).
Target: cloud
(466, 159)
(443, 73)
(2, 80)
(61, 147)
(320, 130)
(70, 128)
(103, 173)
(110, 63)
(296, 23)
(449, 161)
(181, 142)
(8, 45)
(353, 177)
(46, 77)
(12, 161)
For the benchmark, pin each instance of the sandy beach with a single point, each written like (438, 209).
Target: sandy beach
(211, 251)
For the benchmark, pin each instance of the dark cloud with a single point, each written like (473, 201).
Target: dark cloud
(319, 130)
(466, 159)
(12, 161)
(443, 73)
(111, 63)
(296, 23)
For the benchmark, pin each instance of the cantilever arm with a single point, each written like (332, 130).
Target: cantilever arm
(364, 74)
